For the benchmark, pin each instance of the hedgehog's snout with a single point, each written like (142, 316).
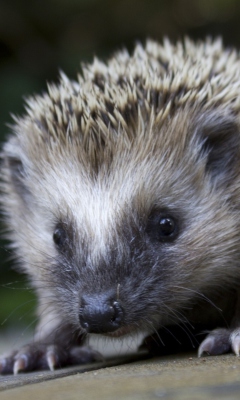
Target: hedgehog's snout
(100, 313)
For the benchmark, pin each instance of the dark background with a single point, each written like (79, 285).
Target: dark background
(39, 37)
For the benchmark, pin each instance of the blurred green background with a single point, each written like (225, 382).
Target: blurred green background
(37, 38)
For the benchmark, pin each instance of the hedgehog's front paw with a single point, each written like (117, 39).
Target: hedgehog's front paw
(38, 356)
(221, 341)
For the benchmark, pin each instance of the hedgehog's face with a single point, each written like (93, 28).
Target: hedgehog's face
(128, 248)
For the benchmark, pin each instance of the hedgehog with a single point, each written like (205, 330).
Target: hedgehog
(120, 193)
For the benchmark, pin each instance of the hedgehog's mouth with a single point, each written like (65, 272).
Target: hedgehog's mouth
(124, 330)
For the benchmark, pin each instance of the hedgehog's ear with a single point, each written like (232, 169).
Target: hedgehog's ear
(17, 175)
(220, 144)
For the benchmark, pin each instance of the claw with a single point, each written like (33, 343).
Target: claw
(206, 346)
(37, 356)
(217, 342)
(235, 341)
(20, 364)
(52, 359)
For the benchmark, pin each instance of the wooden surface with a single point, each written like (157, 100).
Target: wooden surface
(174, 377)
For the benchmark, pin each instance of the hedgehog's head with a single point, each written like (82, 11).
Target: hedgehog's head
(122, 190)
(123, 243)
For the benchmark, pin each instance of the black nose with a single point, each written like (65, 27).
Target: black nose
(100, 314)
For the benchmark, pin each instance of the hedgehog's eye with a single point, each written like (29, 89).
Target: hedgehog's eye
(162, 226)
(166, 226)
(59, 236)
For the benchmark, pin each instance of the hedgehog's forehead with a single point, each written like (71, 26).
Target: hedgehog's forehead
(81, 187)
(96, 206)
(130, 183)
(123, 173)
